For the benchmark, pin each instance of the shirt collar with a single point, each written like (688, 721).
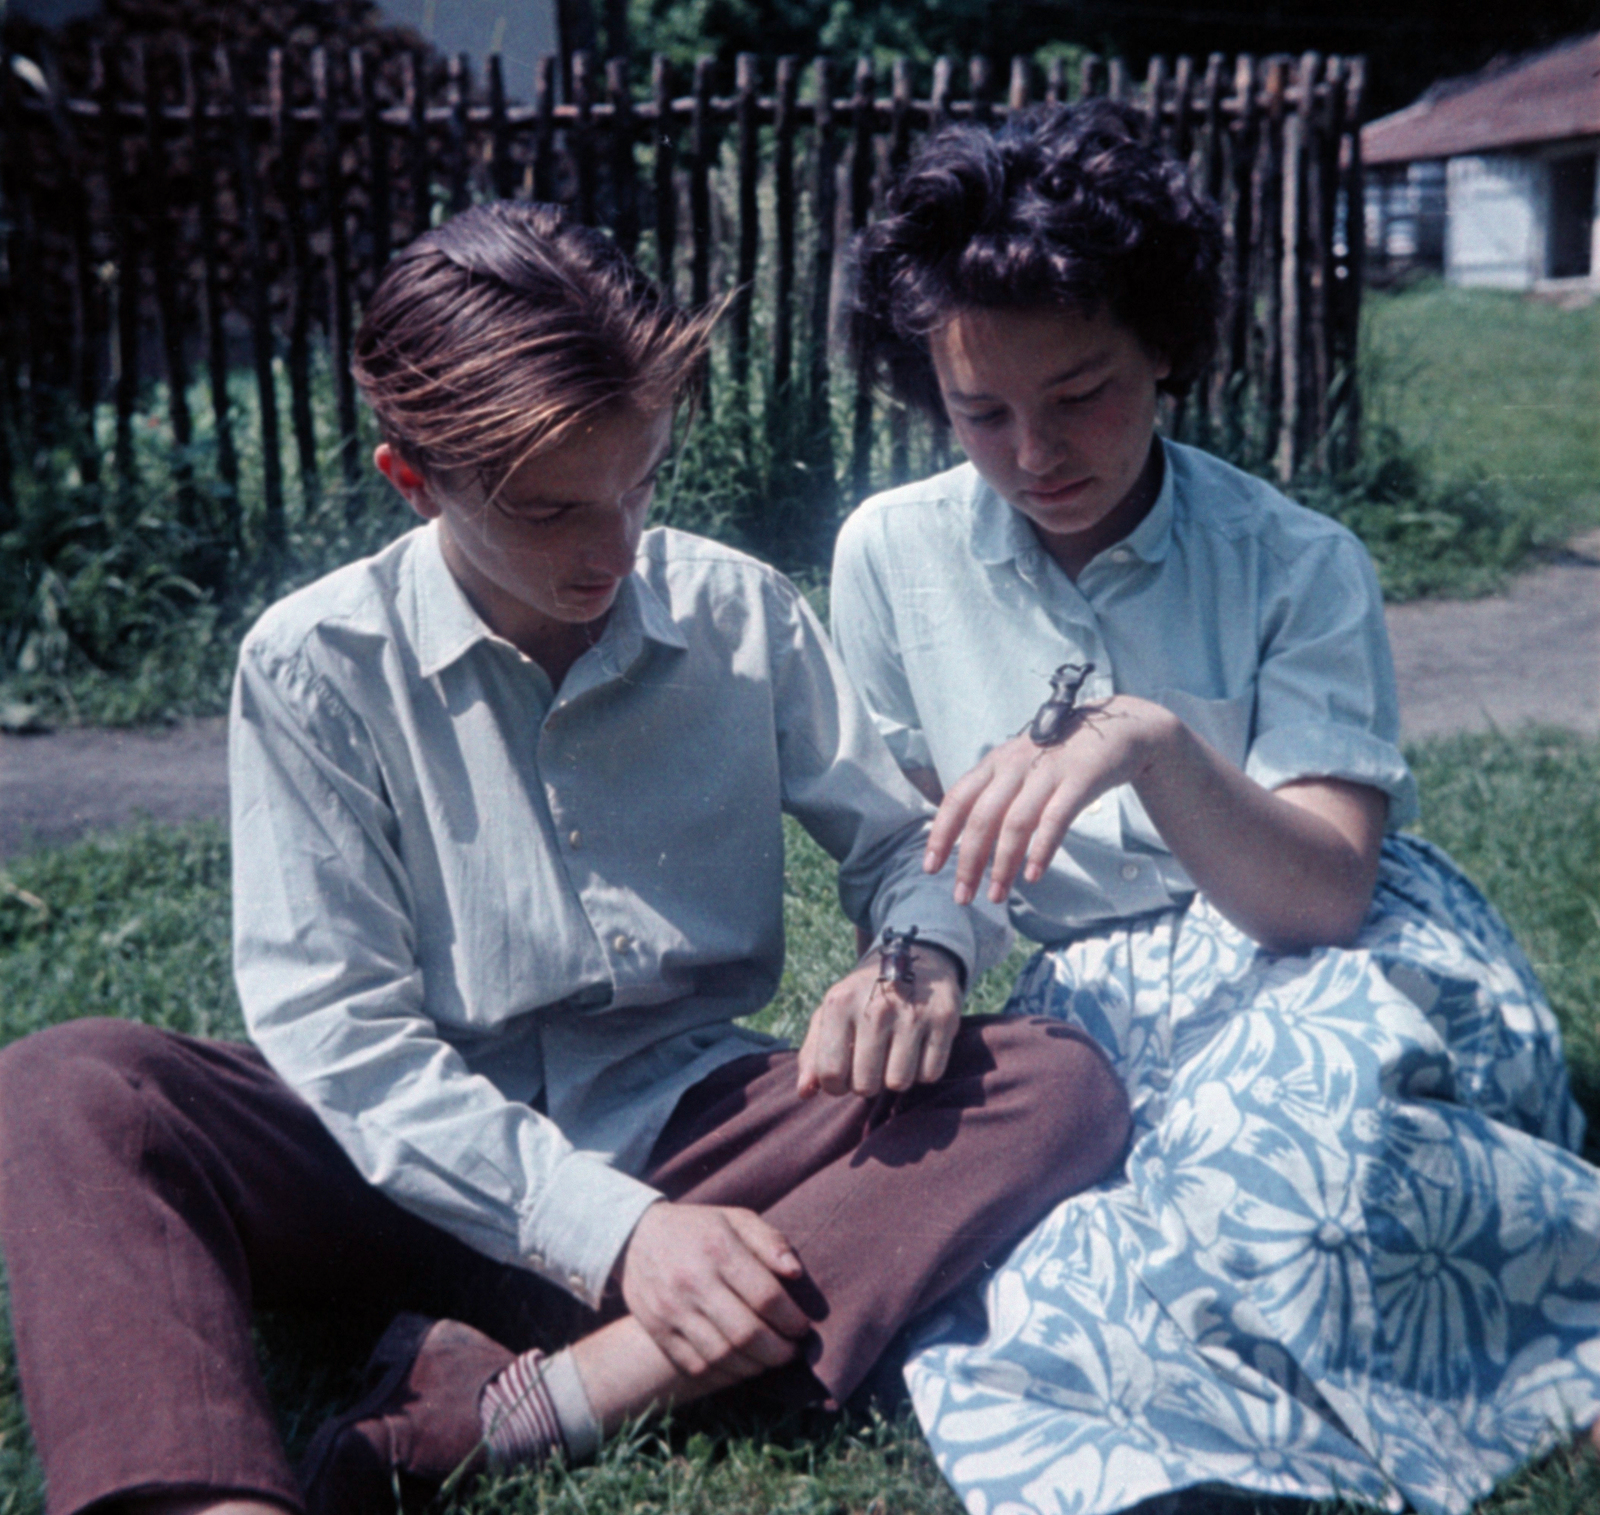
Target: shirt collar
(1151, 538)
(638, 615)
(447, 626)
(1001, 534)
(444, 623)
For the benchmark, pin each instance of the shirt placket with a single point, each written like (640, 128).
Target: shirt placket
(588, 854)
(1133, 883)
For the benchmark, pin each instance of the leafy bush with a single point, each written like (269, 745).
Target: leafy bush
(1428, 535)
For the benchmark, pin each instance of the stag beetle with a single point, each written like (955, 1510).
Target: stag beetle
(1053, 721)
(895, 963)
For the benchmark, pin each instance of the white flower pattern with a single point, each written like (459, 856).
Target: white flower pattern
(1352, 1253)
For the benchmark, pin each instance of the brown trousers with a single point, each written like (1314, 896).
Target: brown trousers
(154, 1188)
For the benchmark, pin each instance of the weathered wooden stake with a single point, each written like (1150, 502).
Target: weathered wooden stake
(380, 208)
(783, 194)
(205, 190)
(260, 299)
(502, 167)
(824, 202)
(414, 73)
(863, 110)
(286, 131)
(544, 129)
(624, 175)
(458, 91)
(664, 181)
(169, 307)
(747, 126)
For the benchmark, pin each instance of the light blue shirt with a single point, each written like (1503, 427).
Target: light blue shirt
(1259, 622)
(492, 931)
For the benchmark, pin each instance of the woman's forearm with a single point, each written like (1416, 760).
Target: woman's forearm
(1294, 867)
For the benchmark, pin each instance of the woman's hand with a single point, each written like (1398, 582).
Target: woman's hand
(1020, 800)
(1293, 867)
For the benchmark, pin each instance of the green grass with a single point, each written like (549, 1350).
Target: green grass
(138, 927)
(1495, 385)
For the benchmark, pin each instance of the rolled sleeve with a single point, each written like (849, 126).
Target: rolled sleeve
(1326, 701)
(1312, 750)
(325, 960)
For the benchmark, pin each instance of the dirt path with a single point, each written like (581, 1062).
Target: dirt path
(1532, 654)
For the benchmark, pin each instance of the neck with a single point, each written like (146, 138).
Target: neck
(554, 645)
(557, 649)
(1073, 550)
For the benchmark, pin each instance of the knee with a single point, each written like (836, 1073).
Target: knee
(1066, 1091)
(85, 1073)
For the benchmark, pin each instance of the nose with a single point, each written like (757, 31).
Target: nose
(614, 542)
(1041, 450)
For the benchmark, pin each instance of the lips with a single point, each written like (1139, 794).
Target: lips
(1057, 494)
(596, 591)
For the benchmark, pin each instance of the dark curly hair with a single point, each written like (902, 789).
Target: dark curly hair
(1060, 206)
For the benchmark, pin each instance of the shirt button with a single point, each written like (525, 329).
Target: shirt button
(575, 1282)
(1122, 555)
(1130, 871)
(575, 837)
(621, 941)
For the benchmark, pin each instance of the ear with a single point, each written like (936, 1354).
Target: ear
(406, 479)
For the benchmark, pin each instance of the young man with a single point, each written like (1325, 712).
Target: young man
(508, 868)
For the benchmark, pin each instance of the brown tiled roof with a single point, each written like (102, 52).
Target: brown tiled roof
(1546, 98)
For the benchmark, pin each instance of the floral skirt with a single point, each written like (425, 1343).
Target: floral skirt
(1351, 1253)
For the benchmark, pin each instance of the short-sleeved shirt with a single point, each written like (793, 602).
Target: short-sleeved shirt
(492, 931)
(1255, 620)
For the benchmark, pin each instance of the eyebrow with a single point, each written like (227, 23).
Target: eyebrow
(545, 502)
(1066, 375)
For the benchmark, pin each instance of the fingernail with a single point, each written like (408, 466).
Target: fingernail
(930, 864)
(963, 894)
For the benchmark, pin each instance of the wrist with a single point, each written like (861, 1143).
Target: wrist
(921, 951)
(949, 955)
(1158, 737)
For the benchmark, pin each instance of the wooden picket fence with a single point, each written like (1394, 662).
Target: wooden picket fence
(181, 217)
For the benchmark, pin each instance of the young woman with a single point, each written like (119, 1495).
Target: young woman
(1351, 1251)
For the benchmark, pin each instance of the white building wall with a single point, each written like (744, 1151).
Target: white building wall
(1498, 209)
(522, 31)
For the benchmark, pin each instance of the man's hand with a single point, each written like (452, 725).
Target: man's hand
(867, 1036)
(706, 1282)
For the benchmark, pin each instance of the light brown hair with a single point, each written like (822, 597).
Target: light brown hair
(491, 337)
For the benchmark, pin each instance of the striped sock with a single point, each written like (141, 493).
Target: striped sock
(534, 1406)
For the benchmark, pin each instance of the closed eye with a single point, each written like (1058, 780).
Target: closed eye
(1085, 396)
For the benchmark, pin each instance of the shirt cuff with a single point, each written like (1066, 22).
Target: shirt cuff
(977, 935)
(582, 1219)
(1311, 750)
